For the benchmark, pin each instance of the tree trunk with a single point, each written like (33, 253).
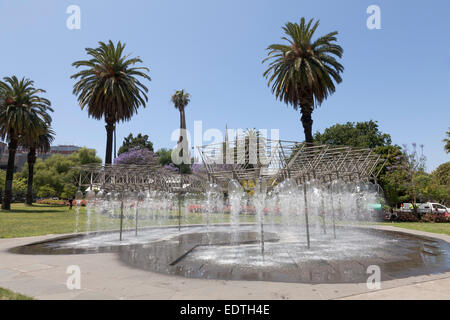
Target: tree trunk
(307, 107)
(307, 123)
(7, 197)
(181, 141)
(110, 125)
(31, 162)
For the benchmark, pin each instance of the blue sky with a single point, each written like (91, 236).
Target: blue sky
(398, 75)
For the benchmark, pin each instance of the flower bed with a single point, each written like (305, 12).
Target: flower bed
(428, 217)
(52, 202)
(436, 217)
(407, 217)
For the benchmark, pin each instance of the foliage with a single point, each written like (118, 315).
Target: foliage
(402, 177)
(407, 217)
(6, 294)
(439, 185)
(52, 202)
(447, 142)
(164, 156)
(359, 135)
(434, 217)
(180, 99)
(21, 109)
(165, 160)
(303, 72)
(46, 191)
(42, 142)
(413, 163)
(55, 176)
(19, 187)
(130, 142)
(109, 86)
(137, 155)
(23, 117)
(442, 174)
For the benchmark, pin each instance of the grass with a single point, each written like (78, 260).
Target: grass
(442, 228)
(40, 219)
(6, 294)
(25, 221)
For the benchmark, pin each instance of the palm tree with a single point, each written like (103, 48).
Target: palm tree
(447, 142)
(109, 87)
(181, 99)
(42, 144)
(303, 72)
(22, 112)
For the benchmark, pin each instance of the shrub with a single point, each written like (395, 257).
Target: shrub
(435, 217)
(51, 202)
(407, 217)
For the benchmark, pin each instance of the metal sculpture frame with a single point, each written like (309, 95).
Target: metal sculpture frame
(250, 158)
(289, 159)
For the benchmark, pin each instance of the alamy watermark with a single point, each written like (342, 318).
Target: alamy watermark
(73, 22)
(236, 146)
(74, 280)
(374, 280)
(374, 20)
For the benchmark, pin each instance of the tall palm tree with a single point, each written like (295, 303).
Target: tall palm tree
(303, 72)
(40, 143)
(109, 87)
(22, 112)
(180, 100)
(447, 142)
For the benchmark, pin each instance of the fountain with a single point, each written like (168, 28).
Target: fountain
(279, 221)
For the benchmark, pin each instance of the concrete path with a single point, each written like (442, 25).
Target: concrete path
(103, 276)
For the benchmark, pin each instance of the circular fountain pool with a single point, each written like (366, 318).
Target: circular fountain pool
(217, 253)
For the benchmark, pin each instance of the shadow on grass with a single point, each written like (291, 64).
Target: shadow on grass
(36, 209)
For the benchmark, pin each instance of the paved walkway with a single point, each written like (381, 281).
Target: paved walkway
(103, 276)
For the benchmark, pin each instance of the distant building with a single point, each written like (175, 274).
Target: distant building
(61, 149)
(21, 154)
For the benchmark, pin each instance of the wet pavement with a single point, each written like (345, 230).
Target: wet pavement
(239, 256)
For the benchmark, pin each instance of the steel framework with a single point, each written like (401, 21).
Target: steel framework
(137, 178)
(276, 160)
(245, 159)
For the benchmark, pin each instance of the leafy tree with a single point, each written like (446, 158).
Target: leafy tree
(22, 112)
(440, 186)
(442, 174)
(59, 171)
(46, 192)
(165, 160)
(359, 135)
(40, 143)
(137, 156)
(409, 174)
(69, 191)
(164, 156)
(109, 87)
(19, 187)
(132, 142)
(303, 72)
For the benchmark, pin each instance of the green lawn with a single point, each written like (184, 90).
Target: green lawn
(24, 221)
(6, 294)
(443, 228)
